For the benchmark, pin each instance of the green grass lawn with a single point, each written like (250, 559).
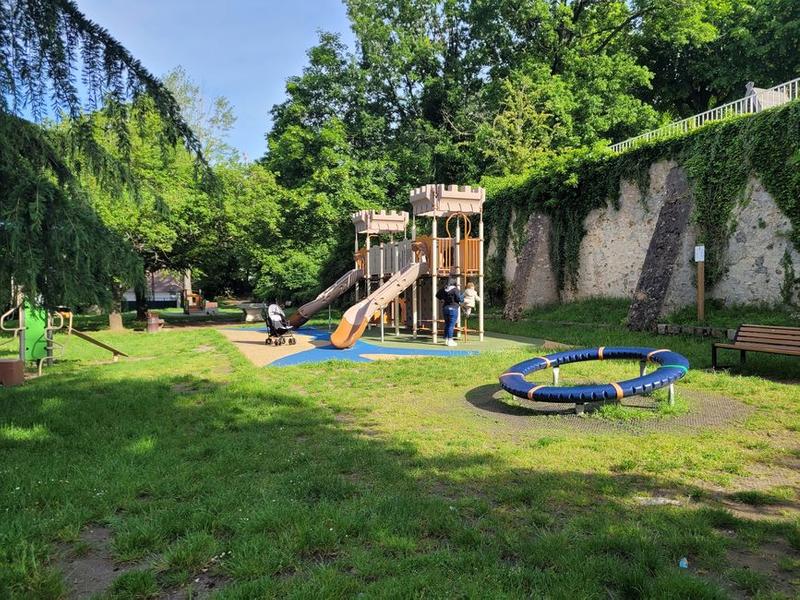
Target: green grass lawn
(384, 479)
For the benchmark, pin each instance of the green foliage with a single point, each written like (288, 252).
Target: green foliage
(719, 160)
(169, 217)
(54, 245)
(740, 41)
(210, 119)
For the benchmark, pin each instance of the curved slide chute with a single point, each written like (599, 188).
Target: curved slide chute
(309, 309)
(355, 319)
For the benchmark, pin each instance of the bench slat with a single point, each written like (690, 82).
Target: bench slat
(780, 333)
(775, 328)
(774, 349)
(753, 339)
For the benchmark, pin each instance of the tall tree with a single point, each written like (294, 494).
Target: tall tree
(210, 118)
(45, 46)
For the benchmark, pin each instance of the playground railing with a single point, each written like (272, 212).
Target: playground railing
(470, 251)
(446, 255)
(5, 317)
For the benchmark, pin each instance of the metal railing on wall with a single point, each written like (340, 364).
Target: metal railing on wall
(756, 100)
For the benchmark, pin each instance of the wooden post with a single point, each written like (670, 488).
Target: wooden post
(700, 259)
(414, 293)
(396, 302)
(480, 278)
(355, 260)
(457, 258)
(368, 277)
(434, 282)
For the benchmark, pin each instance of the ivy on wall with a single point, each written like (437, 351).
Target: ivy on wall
(719, 160)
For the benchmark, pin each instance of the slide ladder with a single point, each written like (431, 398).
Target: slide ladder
(308, 310)
(355, 319)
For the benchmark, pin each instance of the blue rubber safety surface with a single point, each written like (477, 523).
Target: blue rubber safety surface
(672, 366)
(353, 354)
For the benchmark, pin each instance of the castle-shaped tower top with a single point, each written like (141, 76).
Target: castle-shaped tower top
(440, 200)
(380, 221)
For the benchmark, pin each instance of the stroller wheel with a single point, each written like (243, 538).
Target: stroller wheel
(292, 341)
(268, 341)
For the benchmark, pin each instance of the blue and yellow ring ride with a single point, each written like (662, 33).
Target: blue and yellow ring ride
(671, 367)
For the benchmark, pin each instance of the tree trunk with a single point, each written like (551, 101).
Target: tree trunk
(141, 301)
(115, 316)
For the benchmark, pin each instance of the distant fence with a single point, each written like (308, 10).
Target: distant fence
(756, 100)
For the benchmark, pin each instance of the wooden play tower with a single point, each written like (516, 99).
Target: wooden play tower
(380, 261)
(460, 254)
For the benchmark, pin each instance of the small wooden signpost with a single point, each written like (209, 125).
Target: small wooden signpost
(700, 259)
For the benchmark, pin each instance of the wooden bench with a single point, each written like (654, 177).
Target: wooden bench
(761, 338)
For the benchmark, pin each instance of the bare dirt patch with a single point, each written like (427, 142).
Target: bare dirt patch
(89, 569)
(88, 566)
(767, 562)
(200, 588)
(706, 411)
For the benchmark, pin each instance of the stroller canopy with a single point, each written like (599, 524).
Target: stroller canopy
(275, 312)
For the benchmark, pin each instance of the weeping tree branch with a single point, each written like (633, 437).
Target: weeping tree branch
(54, 245)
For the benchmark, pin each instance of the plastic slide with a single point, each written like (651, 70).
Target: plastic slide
(355, 320)
(308, 310)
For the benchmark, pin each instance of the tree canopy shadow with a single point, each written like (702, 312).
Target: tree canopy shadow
(299, 500)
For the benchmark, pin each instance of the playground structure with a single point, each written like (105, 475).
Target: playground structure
(405, 272)
(195, 304)
(35, 332)
(671, 367)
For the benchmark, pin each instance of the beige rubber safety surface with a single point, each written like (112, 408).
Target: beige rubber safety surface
(250, 342)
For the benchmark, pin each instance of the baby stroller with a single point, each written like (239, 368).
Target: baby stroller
(278, 329)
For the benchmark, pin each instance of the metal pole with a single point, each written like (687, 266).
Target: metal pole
(48, 334)
(21, 326)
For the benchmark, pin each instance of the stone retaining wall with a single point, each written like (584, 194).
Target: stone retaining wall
(613, 251)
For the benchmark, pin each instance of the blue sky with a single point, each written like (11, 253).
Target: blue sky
(241, 49)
